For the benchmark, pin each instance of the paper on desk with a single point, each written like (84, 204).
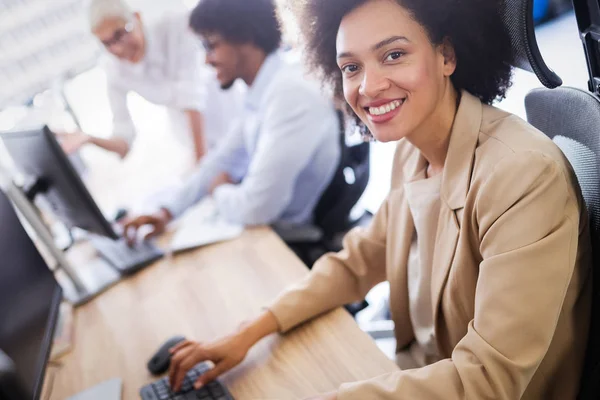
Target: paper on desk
(108, 390)
(201, 226)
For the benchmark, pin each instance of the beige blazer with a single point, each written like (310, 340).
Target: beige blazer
(511, 274)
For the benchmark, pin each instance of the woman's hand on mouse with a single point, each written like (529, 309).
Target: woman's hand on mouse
(224, 353)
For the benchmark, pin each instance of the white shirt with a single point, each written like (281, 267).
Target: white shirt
(285, 152)
(423, 196)
(172, 74)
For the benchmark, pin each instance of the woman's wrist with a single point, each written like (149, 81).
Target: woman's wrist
(253, 331)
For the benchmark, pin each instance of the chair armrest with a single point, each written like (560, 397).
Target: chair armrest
(383, 329)
(299, 234)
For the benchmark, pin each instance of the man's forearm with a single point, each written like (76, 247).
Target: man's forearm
(196, 122)
(115, 144)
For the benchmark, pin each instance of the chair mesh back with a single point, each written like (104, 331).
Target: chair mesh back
(518, 18)
(332, 213)
(571, 118)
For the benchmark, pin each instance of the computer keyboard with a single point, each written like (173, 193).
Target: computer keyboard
(125, 259)
(160, 390)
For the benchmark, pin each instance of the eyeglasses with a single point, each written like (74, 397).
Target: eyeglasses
(210, 45)
(119, 35)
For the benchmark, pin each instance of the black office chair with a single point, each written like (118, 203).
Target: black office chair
(332, 214)
(571, 118)
(333, 217)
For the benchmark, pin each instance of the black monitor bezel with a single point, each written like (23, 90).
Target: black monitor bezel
(70, 174)
(48, 342)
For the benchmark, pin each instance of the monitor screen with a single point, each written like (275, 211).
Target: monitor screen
(38, 155)
(29, 301)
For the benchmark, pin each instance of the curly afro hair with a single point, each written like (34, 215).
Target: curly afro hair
(474, 27)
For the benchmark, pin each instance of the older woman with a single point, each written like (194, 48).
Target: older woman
(484, 235)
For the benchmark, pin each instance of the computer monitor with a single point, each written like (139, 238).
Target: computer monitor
(38, 154)
(29, 303)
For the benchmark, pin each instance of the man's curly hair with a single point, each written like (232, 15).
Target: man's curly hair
(474, 27)
(239, 21)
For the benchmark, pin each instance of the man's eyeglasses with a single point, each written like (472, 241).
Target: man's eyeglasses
(119, 35)
(210, 45)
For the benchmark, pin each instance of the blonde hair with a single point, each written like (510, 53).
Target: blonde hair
(99, 10)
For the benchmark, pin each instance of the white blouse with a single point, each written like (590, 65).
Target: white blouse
(423, 195)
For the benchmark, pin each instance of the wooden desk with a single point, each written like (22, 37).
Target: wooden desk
(204, 294)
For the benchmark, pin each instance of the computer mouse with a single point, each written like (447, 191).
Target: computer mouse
(159, 363)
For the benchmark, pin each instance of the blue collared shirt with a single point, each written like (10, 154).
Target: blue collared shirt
(284, 150)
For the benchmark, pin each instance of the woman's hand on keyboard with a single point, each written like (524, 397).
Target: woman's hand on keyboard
(225, 354)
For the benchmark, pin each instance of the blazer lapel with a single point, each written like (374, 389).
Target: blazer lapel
(408, 161)
(455, 186)
(445, 248)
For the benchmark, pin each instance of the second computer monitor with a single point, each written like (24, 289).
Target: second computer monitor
(37, 154)
(29, 301)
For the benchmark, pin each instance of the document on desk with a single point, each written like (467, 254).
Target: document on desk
(108, 390)
(202, 226)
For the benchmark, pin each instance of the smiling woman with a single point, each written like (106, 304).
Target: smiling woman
(471, 31)
(483, 207)
(483, 237)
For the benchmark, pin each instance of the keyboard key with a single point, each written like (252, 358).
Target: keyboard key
(124, 258)
(164, 396)
(148, 393)
(187, 386)
(203, 394)
(217, 391)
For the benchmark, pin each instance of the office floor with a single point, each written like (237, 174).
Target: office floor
(157, 153)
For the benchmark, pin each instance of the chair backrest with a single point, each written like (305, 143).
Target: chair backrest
(332, 213)
(518, 19)
(571, 118)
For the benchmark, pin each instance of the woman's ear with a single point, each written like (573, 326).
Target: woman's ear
(447, 50)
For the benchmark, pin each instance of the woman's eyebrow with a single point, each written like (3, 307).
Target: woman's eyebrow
(377, 46)
(389, 40)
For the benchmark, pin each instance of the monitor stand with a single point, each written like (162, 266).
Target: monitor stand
(80, 284)
(94, 277)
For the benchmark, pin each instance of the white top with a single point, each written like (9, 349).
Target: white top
(172, 74)
(423, 196)
(285, 152)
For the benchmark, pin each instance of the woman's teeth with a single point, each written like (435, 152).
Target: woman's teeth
(381, 110)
